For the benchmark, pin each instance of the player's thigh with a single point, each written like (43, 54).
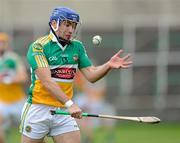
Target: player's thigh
(70, 137)
(25, 139)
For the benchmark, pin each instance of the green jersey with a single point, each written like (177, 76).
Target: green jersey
(63, 63)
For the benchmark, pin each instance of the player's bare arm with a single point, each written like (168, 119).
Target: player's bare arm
(93, 73)
(21, 75)
(44, 76)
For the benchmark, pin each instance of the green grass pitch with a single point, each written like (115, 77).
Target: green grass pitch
(126, 132)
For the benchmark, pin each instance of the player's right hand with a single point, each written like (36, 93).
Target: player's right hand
(75, 111)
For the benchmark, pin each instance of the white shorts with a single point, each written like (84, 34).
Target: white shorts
(37, 122)
(11, 110)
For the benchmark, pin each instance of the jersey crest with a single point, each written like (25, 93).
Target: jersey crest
(37, 48)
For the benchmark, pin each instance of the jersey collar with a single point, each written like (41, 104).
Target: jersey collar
(54, 39)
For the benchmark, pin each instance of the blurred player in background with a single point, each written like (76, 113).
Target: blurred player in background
(91, 99)
(54, 60)
(12, 76)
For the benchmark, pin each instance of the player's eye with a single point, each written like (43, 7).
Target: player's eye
(70, 23)
(74, 25)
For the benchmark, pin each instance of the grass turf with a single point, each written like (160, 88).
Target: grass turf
(126, 132)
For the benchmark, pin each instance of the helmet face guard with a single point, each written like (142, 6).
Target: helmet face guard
(61, 14)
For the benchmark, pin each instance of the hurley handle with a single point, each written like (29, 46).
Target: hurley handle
(61, 112)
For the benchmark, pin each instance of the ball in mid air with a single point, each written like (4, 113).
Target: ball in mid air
(97, 40)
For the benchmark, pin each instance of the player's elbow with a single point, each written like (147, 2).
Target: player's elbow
(92, 80)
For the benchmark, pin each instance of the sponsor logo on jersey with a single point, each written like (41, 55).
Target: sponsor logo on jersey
(63, 73)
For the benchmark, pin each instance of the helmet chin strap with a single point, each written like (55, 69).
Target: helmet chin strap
(59, 39)
(57, 26)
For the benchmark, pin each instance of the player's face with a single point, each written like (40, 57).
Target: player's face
(67, 29)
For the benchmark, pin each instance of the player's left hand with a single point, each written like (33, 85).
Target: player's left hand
(75, 111)
(120, 62)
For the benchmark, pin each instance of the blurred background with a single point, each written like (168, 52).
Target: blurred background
(148, 29)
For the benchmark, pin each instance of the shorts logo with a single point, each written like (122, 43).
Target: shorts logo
(28, 129)
(75, 126)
